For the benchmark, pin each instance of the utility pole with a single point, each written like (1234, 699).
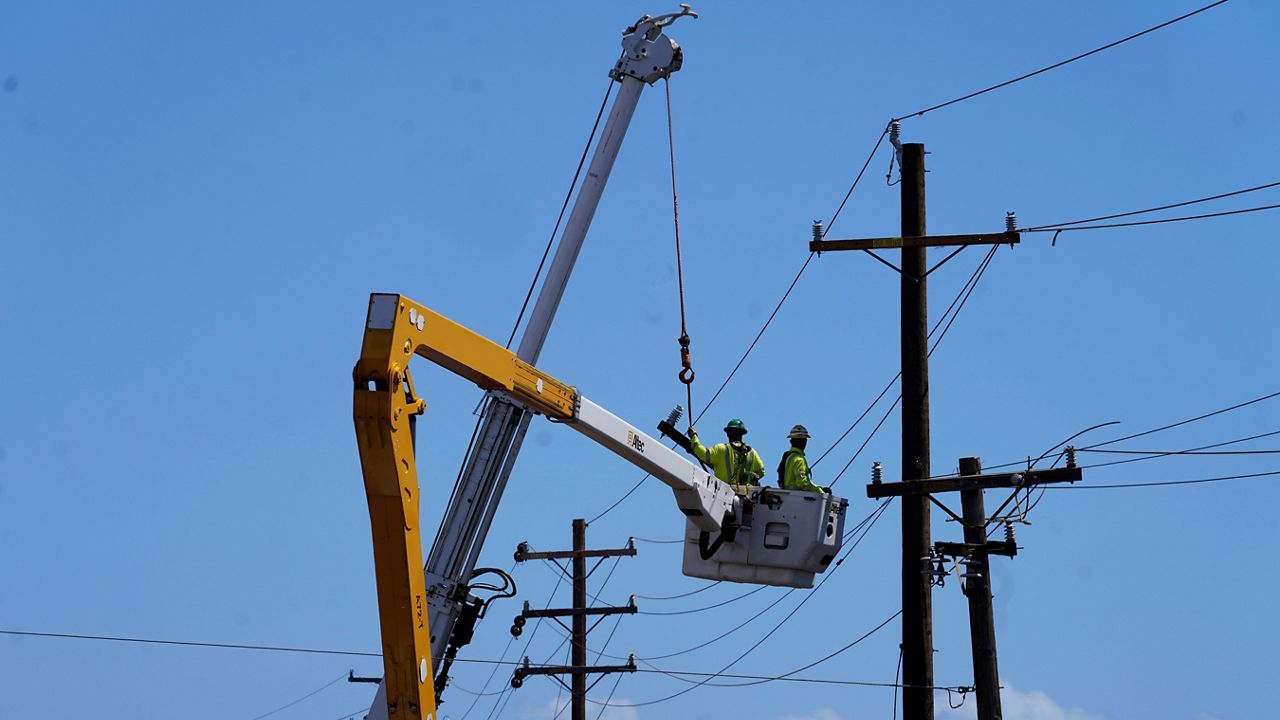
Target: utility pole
(917, 574)
(579, 641)
(975, 550)
(977, 588)
(577, 670)
(917, 597)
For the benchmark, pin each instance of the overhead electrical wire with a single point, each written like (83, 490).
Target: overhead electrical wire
(1161, 221)
(1180, 423)
(1160, 483)
(761, 679)
(1144, 433)
(505, 695)
(962, 297)
(1164, 453)
(880, 512)
(577, 173)
(862, 171)
(190, 643)
(768, 321)
(1171, 206)
(863, 523)
(678, 596)
(313, 693)
(1061, 63)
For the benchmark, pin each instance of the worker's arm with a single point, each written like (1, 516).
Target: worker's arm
(797, 475)
(699, 450)
(755, 466)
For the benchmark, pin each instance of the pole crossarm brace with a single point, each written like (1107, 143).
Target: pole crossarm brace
(974, 482)
(883, 243)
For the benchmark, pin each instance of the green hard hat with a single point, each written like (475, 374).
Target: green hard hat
(798, 431)
(735, 424)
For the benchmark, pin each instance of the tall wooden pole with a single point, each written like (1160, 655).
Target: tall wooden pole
(917, 600)
(579, 652)
(977, 587)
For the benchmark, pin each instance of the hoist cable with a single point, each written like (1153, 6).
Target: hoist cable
(686, 374)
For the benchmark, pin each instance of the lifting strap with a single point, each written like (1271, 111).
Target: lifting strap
(686, 362)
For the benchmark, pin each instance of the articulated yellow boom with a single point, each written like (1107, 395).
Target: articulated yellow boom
(796, 534)
(397, 329)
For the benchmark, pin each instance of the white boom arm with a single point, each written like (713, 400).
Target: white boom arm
(700, 496)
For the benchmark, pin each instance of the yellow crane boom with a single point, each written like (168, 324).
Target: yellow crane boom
(396, 329)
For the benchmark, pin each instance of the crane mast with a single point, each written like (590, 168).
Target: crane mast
(647, 56)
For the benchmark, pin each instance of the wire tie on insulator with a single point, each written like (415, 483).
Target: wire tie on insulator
(1009, 533)
(1071, 456)
(877, 473)
(686, 362)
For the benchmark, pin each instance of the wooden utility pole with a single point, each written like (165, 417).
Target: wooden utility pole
(578, 689)
(917, 573)
(917, 599)
(977, 587)
(577, 670)
(975, 550)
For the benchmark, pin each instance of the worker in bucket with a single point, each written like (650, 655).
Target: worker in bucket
(793, 469)
(734, 462)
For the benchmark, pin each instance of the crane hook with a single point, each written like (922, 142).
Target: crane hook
(686, 361)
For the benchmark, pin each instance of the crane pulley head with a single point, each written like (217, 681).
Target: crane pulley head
(647, 54)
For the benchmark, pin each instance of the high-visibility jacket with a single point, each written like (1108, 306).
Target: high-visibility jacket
(795, 472)
(735, 463)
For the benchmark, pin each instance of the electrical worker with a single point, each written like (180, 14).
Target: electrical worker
(793, 469)
(734, 462)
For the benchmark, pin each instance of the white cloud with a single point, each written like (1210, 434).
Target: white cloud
(1019, 705)
(820, 714)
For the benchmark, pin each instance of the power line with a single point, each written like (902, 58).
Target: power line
(1180, 423)
(1153, 455)
(504, 697)
(733, 599)
(1059, 64)
(564, 206)
(1131, 213)
(189, 643)
(1163, 453)
(949, 316)
(879, 513)
(704, 588)
(871, 517)
(761, 679)
(1161, 483)
(767, 322)
(1136, 223)
(317, 691)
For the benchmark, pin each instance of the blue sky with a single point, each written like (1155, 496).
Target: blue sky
(197, 199)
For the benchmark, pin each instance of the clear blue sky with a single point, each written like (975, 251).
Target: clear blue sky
(196, 200)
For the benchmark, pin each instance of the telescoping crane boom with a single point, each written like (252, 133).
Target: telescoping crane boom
(774, 537)
(647, 56)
